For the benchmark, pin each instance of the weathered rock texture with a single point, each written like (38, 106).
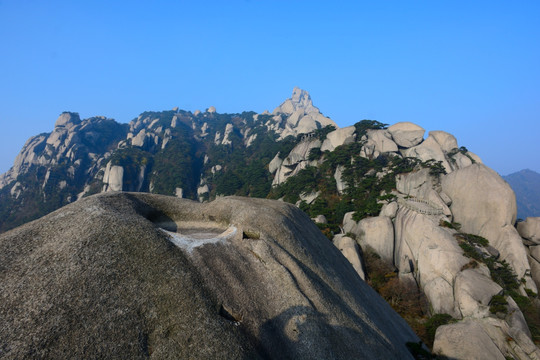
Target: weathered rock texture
(484, 204)
(297, 160)
(377, 233)
(483, 339)
(349, 248)
(338, 137)
(378, 142)
(102, 278)
(406, 134)
(410, 233)
(530, 229)
(200, 156)
(303, 117)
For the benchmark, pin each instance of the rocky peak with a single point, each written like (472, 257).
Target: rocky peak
(67, 118)
(300, 100)
(301, 116)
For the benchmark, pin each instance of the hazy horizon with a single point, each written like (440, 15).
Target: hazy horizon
(470, 69)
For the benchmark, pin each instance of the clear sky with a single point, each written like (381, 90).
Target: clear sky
(471, 68)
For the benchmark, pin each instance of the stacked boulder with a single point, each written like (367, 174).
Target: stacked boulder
(408, 234)
(529, 230)
(300, 114)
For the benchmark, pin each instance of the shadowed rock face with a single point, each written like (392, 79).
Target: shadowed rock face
(102, 277)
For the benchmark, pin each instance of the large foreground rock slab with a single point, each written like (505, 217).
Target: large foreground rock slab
(122, 275)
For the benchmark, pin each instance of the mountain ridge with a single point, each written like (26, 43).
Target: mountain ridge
(414, 215)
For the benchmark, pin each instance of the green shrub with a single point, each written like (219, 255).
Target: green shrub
(304, 182)
(472, 264)
(530, 308)
(475, 239)
(321, 133)
(470, 251)
(436, 168)
(498, 304)
(315, 154)
(502, 274)
(364, 125)
(453, 225)
(328, 230)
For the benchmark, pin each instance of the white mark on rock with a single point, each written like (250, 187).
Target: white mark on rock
(189, 239)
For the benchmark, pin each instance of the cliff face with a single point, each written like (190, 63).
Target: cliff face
(167, 277)
(170, 152)
(436, 216)
(54, 169)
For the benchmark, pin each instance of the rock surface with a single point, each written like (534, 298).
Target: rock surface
(349, 225)
(530, 229)
(446, 141)
(66, 119)
(338, 176)
(487, 338)
(228, 130)
(378, 142)
(428, 150)
(406, 134)
(462, 341)
(431, 254)
(378, 233)
(352, 253)
(295, 161)
(473, 292)
(303, 117)
(274, 164)
(338, 137)
(183, 154)
(270, 286)
(320, 219)
(113, 178)
(484, 204)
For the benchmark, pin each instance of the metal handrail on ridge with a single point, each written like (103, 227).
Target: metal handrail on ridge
(408, 203)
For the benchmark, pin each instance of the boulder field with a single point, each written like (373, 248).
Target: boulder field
(145, 275)
(419, 233)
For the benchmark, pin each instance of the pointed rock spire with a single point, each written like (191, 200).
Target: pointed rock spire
(300, 100)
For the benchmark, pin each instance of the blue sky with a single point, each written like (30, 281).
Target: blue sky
(471, 68)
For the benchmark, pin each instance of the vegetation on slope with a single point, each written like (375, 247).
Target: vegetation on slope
(501, 273)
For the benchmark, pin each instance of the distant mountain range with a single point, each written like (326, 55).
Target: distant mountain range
(526, 185)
